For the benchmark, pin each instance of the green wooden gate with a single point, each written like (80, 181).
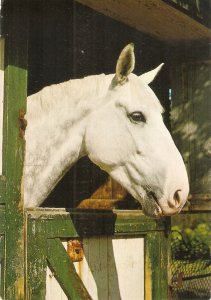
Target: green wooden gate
(47, 227)
(12, 213)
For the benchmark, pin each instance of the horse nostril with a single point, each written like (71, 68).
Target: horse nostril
(177, 198)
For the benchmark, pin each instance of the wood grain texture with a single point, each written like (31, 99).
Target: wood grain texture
(53, 289)
(108, 273)
(153, 17)
(15, 96)
(191, 127)
(66, 276)
(112, 242)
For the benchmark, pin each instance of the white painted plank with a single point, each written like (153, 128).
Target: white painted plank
(112, 269)
(103, 291)
(1, 96)
(53, 288)
(126, 269)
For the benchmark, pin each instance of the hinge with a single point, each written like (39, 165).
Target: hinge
(75, 250)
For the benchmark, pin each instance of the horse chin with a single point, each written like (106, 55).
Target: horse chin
(153, 212)
(151, 208)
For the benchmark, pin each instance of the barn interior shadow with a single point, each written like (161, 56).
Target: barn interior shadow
(81, 182)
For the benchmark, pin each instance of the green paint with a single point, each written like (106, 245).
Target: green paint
(15, 96)
(48, 226)
(2, 220)
(2, 189)
(36, 260)
(2, 264)
(64, 271)
(59, 223)
(157, 255)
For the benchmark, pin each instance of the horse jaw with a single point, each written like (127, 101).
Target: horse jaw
(155, 193)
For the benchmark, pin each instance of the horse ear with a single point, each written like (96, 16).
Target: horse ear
(125, 64)
(150, 76)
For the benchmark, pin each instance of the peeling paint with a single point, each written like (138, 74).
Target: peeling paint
(19, 287)
(148, 288)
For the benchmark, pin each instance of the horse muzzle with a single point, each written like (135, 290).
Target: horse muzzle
(164, 206)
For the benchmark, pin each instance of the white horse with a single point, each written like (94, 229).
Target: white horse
(116, 120)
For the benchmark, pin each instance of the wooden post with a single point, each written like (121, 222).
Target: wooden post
(15, 95)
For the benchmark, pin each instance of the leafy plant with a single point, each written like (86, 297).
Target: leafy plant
(191, 243)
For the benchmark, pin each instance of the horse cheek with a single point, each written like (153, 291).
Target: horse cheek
(105, 142)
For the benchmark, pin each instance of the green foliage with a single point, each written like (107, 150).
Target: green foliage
(191, 243)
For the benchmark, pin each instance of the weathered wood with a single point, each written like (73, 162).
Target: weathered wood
(2, 45)
(108, 273)
(2, 189)
(2, 220)
(191, 125)
(58, 223)
(2, 265)
(36, 263)
(104, 191)
(197, 9)
(153, 17)
(2, 253)
(2, 178)
(52, 226)
(15, 96)
(198, 203)
(110, 189)
(64, 271)
(53, 288)
(113, 202)
(156, 265)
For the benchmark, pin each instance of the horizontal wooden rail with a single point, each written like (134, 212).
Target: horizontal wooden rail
(76, 223)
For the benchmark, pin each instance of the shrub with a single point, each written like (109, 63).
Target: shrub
(191, 244)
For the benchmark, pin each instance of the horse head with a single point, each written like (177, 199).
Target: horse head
(127, 138)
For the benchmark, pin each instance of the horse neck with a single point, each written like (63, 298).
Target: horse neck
(54, 136)
(72, 94)
(61, 109)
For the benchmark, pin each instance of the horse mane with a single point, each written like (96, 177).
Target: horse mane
(69, 92)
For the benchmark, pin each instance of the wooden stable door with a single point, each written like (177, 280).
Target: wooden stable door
(96, 255)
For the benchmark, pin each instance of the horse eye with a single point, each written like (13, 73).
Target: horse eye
(137, 117)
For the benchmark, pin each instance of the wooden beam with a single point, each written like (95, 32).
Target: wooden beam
(198, 203)
(16, 17)
(153, 17)
(65, 272)
(81, 223)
